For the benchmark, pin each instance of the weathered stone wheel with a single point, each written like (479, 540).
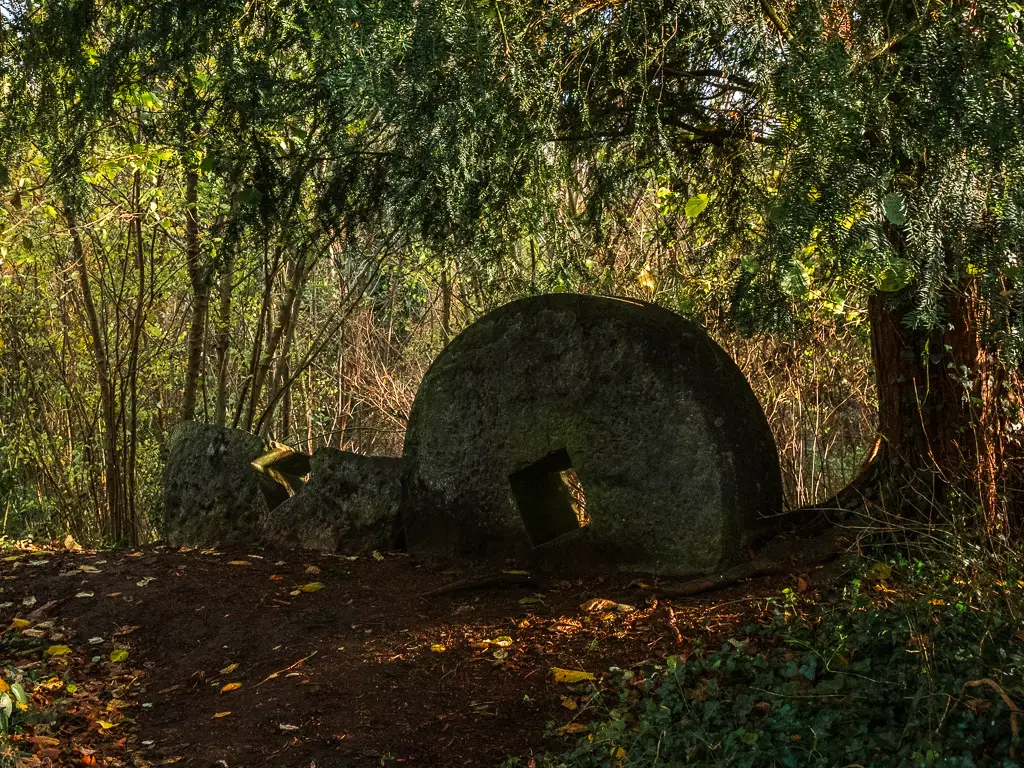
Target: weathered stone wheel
(583, 434)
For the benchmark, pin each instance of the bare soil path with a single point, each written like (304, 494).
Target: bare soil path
(251, 658)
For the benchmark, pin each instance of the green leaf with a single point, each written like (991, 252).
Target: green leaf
(118, 655)
(893, 208)
(19, 693)
(695, 205)
(208, 165)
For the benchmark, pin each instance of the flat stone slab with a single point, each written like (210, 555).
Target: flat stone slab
(350, 505)
(678, 467)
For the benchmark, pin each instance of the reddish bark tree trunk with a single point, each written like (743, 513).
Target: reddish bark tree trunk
(941, 412)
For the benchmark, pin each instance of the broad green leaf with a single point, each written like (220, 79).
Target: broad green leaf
(695, 206)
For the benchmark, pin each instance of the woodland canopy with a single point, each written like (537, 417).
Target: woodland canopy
(274, 214)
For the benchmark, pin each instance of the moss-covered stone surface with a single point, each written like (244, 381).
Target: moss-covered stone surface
(212, 493)
(677, 462)
(350, 504)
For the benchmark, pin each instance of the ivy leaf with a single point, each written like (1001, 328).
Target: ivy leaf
(893, 208)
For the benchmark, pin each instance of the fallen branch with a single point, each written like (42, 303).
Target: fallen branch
(272, 675)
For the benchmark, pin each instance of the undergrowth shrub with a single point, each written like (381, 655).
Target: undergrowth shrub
(919, 670)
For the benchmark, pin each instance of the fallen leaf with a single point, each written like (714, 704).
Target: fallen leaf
(571, 675)
(85, 594)
(438, 648)
(597, 604)
(313, 586)
(230, 687)
(276, 577)
(801, 584)
(569, 703)
(229, 669)
(71, 545)
(145, 581)
(4, 687)
(118, 655)
(29, 601)
(502, 642)
(58, 650)
(287, 727)
(106, 725)
(377, 555)
(625, 608)
(219, 714)
(573, 728)
(312, 570)
(530, 601)
(20, 624)
(239, 562)
(95, 640)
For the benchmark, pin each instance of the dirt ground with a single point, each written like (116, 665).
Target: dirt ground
(249, 658)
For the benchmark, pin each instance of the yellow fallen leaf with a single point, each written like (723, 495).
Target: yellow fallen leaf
(229, 669)
(438, 648)
(4, 687)
(573, 728)
(58, 650)
(502, 642)
(230, 687)
(597, 604)
(313, 586)
(20, 624)
(571, 675)
(569, 703)
(239, 562)
(51, 684)
(106, 725)
(118, 655)
(220, 714)
(377, 555)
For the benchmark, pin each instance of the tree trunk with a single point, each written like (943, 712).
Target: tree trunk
(119, 527)
(199, 277)
(223, 340)
(942, 404)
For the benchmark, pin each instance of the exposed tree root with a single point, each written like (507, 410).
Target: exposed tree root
(779, 557)
(488, 581)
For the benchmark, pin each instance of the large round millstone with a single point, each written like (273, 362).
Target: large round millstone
(678, 467)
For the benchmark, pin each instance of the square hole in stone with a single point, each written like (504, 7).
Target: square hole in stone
(549, 497)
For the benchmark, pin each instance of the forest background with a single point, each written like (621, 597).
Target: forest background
(272, 215)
